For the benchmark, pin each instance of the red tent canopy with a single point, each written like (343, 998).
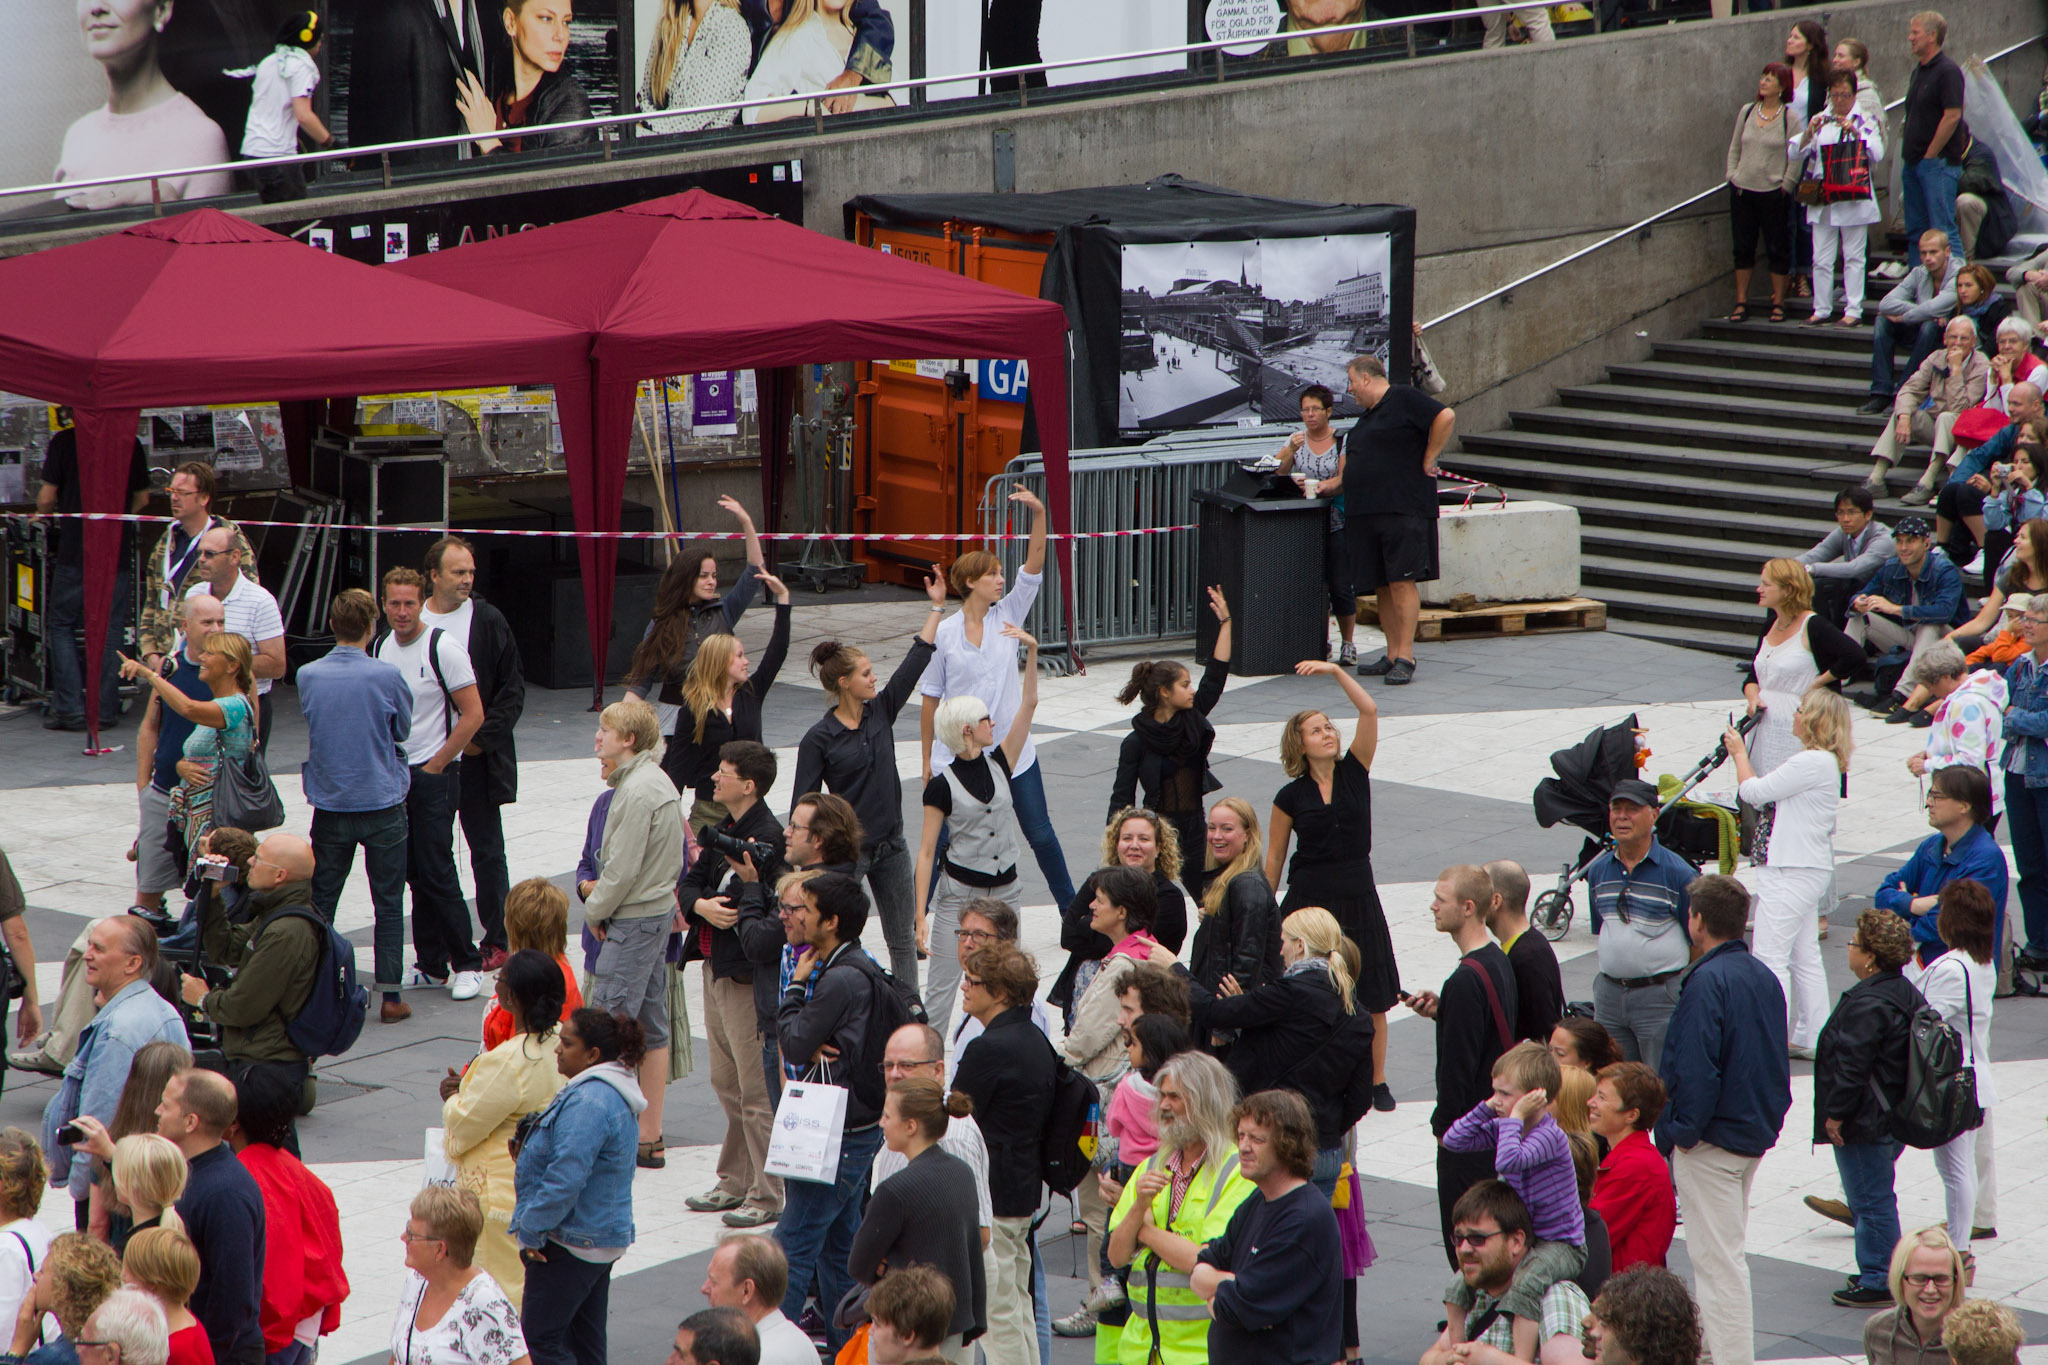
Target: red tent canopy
(206, 308)
(692, 282)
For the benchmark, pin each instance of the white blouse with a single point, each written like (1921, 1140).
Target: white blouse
(482, 1328)
(1967, 1011)
(988, 671)
(1849, 212)
(1807, 788)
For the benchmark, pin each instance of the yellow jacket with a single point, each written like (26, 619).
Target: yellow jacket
(516, 1078)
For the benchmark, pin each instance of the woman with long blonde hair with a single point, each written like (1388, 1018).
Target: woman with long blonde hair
(1799, 863)
(1239, 933)
(816, 42)
(223, 725)
(719, 701)
(699, 55)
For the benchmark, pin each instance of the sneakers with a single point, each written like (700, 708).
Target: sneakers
(1347, 656)
(1863, 1296)
(752, 1216)
(1919, 494)
(423, 979)
(713, 1201)
(1976, 565)
(1079, 1323)
(1831, 1208)
(1923, 719)
(494, 958)
(1383, 1098)
(1898, 715)
(35, 1059)
(1890, 270)
(466, 986)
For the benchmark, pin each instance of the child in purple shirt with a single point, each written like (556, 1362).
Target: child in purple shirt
(1532, 1154)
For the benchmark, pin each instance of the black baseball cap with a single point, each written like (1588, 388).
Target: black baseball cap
(1636, 792)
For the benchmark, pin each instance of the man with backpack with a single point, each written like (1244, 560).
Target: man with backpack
(275, 955)
(447, 711)
(1009, 1072)
(834, 1021)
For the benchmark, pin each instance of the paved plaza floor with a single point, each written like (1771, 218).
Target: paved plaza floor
(1459, 753)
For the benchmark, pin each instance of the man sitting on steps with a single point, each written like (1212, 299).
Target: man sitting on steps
(1909, 603)
(1913, 312)
(1847, 557)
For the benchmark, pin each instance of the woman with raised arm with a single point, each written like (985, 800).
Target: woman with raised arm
(223, 726)
(688, 610)
(720, 701)
(1164, 761)
(971, 657)
(973, 796)
(1327, 811)
(851, 752)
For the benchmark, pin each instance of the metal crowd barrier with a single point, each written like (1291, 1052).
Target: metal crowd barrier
(1127, 589)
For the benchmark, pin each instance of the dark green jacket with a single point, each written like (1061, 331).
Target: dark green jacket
(274, 965)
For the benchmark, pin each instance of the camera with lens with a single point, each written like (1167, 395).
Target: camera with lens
(218, 871)
(729, 845)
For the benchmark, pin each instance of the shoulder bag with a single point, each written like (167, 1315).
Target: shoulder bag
(244, 797)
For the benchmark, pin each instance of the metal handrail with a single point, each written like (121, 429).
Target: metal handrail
(605, 122)
(1656, 217)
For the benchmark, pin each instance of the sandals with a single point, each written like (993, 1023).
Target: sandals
(1741, 313)
(1777, 312)
(652, 1156)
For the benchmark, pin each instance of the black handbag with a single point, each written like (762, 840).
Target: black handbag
(244, 797)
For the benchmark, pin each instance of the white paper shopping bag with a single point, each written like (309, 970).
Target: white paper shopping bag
(440, 1170)
(808, 1126)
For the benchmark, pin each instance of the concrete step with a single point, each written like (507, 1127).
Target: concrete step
(1793, 332)
(1782, 438)
(1687, 548)
(1707, 639)
(1703, 471)
(1726, 628)
(1791, 383)
(1644, 400)
(1753, 355)
(1641, 571)
(1763, 534)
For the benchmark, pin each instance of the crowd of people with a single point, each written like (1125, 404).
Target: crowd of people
(1222, 1011)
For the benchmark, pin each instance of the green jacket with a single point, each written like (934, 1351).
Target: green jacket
(274, 965)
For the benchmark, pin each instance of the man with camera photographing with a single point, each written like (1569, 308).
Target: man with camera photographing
(120, 959)
(275, 958)
(745, 847)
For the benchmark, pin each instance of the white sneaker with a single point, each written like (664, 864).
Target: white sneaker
(420, 979)
(1976, 565)
(466, 986)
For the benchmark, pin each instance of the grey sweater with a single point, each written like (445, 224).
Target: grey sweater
(1837, 557)
(1759, 153)
(928, 1214)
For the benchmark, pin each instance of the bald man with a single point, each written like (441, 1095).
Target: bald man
(275, 956)
(223, 1211)
(250, 611)
(120, 958)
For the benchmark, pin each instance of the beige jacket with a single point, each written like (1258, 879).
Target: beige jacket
(1952, 392)
(641, 856)
(516, 1078)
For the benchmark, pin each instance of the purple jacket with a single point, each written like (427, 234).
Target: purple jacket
(1537, 1164)
(586, 867)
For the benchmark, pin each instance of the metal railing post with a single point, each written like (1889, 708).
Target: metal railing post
(386, 159)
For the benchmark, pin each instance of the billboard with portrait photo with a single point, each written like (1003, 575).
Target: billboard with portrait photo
(761, 49)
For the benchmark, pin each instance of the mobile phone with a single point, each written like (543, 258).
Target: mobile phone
(71, 1135)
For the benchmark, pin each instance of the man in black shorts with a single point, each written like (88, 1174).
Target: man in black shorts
(1390, 505)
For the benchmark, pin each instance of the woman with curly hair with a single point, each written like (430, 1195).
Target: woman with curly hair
(1644, 1316)
(1139, 837)
(74, 1280)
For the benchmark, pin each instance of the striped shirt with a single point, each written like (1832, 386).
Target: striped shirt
(1537, 1165)
(1639, 914)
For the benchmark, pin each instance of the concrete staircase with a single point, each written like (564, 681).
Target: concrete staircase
(1693, 467)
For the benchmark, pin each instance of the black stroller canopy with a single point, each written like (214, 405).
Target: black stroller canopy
(1586, 776)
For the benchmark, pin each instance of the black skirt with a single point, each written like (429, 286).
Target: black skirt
(1359, 914)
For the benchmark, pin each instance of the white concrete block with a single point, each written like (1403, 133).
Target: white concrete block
(1523, 552)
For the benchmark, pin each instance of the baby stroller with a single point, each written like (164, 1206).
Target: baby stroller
(1586, 775)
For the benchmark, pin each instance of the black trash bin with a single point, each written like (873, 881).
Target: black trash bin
(1263, 544)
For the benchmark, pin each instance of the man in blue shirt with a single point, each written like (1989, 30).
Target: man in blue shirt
(1640, 902)
(358, 712)
(1908, 604)
(1730, 1080)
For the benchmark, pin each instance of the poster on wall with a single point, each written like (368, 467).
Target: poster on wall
(759, 50)
(1217, 333)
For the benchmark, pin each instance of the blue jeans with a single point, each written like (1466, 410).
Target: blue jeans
(64, 610)
(1929, 187)
(1884, 344)
(2027, 808)
(336, 833)
(816, 1230)
(1041, 1305)
(1866, 1169)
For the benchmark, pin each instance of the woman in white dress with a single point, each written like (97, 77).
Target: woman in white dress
(809, 49)
(1806, 788)
(1959, 984)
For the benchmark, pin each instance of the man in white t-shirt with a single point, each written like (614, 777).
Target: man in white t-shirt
(249, 611)
(281, 103)
(748, 1273)
(446, 713)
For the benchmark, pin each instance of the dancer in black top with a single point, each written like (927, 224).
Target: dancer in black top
(1166, 755)
(1327, 810)
(851, 752)
(720, 701)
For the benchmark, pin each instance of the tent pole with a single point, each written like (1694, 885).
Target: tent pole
(647, 438)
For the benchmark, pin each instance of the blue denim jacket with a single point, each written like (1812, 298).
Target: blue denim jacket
(1941, 592)
(2026, 721)
(136, 1017)
(575, 1173)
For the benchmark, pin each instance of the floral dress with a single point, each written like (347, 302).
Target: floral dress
(482, 1328)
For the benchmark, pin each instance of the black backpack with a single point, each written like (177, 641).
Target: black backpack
(331, 1020)
(896, 1003)
(1066, 1150)
(1939, 1103)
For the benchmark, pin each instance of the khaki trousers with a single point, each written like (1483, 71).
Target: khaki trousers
(1713, 1194)
(1012, 1325)
(742, 1088)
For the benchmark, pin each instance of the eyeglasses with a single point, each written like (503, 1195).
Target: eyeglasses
(1473, 1239)
(974, 935)
(973, 981)
(203, 554)
(410, 1236)
(889, 1068)
(113, 1346)
(791, 907)
(1917, 1281)
(1855, 943)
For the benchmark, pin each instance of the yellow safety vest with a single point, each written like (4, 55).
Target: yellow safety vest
(1169, 1323)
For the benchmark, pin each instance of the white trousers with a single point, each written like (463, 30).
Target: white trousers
(1956, 1162)
(1713, 1192)
(1851, 243)
(1535, 23)
(1012, 1325)
(1787, 941)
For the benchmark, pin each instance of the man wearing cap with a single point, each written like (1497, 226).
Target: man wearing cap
(1640, 905)
(1908, 604)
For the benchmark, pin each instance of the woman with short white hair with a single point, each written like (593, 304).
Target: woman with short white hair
(128, 1329)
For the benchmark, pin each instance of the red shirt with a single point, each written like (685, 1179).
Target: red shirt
(302, 1272)
(1633, 1194)
(498, 1024)
(191, 1347)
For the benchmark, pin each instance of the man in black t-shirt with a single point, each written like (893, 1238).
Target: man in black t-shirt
(1390, 505)
(1539, 986)
(65, 603)
(1931, 149)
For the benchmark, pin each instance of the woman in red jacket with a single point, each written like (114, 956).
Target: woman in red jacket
(1632, 1191)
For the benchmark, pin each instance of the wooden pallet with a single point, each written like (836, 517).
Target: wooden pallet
(1501, 618)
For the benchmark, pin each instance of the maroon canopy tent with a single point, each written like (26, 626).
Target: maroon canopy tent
(206, 308)
(692, 282)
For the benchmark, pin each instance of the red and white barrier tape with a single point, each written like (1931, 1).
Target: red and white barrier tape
(629, 535)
